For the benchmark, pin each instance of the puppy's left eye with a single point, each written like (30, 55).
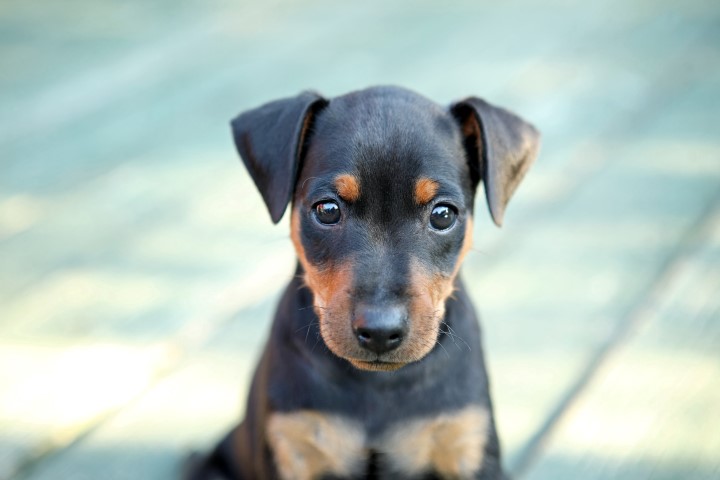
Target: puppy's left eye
(327, 212)
(443, 216)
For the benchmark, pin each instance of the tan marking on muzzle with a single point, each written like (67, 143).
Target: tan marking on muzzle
(425, 190)
(348, 187)
(308, 444)
(326, 281)
(330, 285)
(427, 309)
(451, 444)
(430, 292)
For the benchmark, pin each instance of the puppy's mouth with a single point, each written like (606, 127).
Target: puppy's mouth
(376, 365)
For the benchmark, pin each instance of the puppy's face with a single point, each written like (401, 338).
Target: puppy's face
(381, 220)
(382, 183)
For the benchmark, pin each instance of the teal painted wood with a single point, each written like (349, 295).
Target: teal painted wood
(649, 412)
(127, 222)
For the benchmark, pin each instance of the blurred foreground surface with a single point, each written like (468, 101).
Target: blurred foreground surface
(139, 269)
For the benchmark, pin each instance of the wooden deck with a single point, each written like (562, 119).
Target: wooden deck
(138, 267)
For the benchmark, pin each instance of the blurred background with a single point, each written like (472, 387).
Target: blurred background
(139, 268)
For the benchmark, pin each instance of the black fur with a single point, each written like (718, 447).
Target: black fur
(269, 140)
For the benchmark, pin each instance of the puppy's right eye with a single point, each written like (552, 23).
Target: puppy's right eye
(327, 212)
(443, 216)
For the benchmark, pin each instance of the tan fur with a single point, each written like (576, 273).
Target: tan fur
(331, 300)
(425, 190)
(331, 286)
(348, 187)
(307, 445)
(426, 309)
(452, 444)
(430, 292)
(331, 295)
(326, 283)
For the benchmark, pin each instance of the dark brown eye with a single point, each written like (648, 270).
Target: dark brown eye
(327, 212)
(443, 216)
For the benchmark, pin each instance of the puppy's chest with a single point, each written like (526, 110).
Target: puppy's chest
(308, 444)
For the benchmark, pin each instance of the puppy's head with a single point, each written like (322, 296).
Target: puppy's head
(382, 183)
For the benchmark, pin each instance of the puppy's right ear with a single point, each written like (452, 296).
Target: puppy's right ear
(270, 141)
(502, 146)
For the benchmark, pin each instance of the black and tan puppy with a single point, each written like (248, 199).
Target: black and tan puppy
(374, 367)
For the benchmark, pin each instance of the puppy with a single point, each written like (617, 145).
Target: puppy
(374, 366)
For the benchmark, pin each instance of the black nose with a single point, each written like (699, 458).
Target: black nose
(380, 328)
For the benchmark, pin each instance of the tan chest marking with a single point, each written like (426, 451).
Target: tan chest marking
(308, 444)
(451, 444)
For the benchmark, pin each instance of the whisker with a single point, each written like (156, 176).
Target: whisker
(444, 349)
(307, 332)
(316, 342)
(306, 326)
(455, 335)
(452, 337)
(305, 181)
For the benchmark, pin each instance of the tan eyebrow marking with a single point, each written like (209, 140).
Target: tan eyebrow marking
(348, 187)
(425, 190)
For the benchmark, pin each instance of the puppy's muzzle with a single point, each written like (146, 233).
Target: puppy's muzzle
(380, 329)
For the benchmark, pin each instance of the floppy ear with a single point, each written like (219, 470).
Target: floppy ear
(501, 147)
(270, 141)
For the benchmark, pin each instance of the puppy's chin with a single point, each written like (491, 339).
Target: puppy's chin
(384, 363)
(376, 366)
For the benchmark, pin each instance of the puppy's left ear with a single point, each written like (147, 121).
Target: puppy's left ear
(270, 141)
(500, 146)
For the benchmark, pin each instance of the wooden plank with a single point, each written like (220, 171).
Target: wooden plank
(562, 283)
(149, 438)
(122, 219)
(650, 411)
(195, 399)
(52, 392)
(558, 296)
(57, 394)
